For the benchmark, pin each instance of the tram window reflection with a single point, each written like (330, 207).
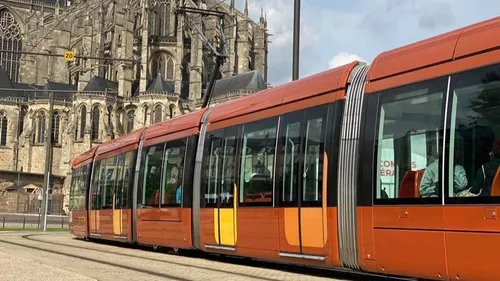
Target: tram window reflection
(173, 167)
(409, 141)
(475, 131)
(151, 181)
(257, 162)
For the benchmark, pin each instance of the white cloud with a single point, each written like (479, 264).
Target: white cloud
(343, 58)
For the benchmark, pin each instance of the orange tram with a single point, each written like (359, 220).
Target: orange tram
(388, 168)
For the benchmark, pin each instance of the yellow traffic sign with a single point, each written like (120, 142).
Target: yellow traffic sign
(69, 56)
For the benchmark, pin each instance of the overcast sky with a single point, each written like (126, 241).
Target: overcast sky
(334, 32)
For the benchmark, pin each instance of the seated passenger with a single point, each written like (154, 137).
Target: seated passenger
(178, 195)
(429, 185)
(486, 174)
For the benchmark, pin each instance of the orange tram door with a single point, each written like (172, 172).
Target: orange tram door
(110, 207)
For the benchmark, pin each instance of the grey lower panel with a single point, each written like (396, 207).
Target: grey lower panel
(223, 248)
(348, 169)
(301, 256)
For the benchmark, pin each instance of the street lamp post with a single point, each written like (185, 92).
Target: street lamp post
(48, 164)
(296, 40)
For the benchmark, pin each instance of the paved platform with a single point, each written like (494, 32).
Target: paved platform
(58, 256)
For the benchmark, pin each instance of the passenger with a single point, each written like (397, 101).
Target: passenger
(429, 186)
(178, 195)
(486, 174)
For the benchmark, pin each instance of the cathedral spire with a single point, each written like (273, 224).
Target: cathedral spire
(262, 20)
(246, 8)
(232, 5)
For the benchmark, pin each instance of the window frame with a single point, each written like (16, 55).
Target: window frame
(4, 128)
(460, 80)
(303, 116)
(142, 184)
(174, 144)
(221, 134)
(376, 100)
(257, 126)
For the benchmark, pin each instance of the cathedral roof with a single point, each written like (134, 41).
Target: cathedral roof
(250, 81)
(99, 84)
(18, 89)
(59, 86)
(160, 85)
(6, 83)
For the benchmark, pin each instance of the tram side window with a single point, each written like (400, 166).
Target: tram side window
(75, 191)
(312, 185)
(128, 171)
(228, 172)
(212, 165)
(257, 162)
(152, 176)
(290, 152)
(409, 140)
(173, 172)
(474, 152)
(108, 183)
(120, 184)
(96, 186)
(220, 168)
(81, 194)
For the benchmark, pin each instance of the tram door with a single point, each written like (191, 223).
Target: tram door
(95, 200)
(223, 170)
(119, 184)
(301, 183)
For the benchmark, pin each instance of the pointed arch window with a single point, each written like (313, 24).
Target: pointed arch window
(129, 122)
(83, 121)
(170, 69)
(56, 120)
(172, 111)
(10, 39)
(159, 24)
(3, 128)
(110, 121)
(163, 64)
(158, 113)
(94, 134)
(40, 127)
(146, 108)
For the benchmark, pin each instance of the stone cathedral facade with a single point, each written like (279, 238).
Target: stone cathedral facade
(164, 68)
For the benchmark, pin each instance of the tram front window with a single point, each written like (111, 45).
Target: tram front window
(409, 141)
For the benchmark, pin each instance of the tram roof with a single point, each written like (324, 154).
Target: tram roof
(131, 139)
(446, 47)
(87, 156)
(177, 127)
(327, 81)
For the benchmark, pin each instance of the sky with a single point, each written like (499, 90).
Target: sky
(335, 32)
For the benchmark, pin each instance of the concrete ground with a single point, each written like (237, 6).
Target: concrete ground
(58, 256)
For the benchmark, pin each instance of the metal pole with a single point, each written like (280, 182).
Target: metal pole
(296, 40)
(48, 163)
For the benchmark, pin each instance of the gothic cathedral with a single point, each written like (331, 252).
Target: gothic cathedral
(138, 62)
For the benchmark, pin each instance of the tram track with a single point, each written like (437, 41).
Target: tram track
(316, 272)
(150, 272)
